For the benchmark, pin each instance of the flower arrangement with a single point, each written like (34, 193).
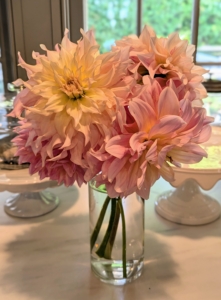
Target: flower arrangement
(124, 117)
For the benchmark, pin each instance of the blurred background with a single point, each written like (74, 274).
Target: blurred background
(24, 24)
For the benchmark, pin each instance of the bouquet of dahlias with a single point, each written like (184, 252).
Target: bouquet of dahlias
(124, 117)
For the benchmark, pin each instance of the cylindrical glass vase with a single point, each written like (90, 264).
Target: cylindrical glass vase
(117, 236)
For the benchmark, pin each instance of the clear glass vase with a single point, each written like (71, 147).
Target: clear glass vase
(117, 236)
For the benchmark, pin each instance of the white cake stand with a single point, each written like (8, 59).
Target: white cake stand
(188, 204)
(29, 200)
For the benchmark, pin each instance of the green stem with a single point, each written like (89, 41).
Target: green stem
(114, 229)
(124, 247)
(99, 222)
(106, 246)
(107, 243)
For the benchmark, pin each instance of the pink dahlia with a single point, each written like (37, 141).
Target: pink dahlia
(166, 59)
(152, 135)
(46, 156)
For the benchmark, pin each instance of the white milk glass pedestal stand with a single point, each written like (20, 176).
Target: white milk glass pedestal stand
(188, 204)
(30, 199)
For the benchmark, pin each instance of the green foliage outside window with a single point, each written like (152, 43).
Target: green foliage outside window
(112, 20)
(117, 18)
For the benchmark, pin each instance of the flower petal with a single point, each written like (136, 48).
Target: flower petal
(168, 103)
(166, 127)
(118, 145)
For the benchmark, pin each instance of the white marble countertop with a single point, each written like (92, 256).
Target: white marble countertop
(47, 258)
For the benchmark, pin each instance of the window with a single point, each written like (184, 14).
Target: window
(196, 20)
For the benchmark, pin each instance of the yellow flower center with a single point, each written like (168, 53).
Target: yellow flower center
(73, 89)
